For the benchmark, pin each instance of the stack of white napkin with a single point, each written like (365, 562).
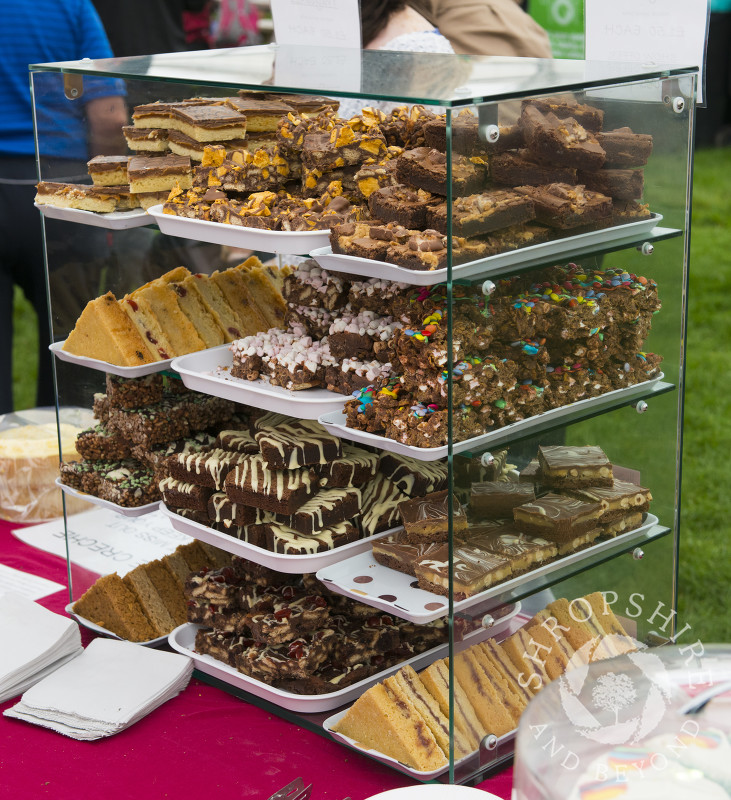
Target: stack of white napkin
(35, 642)
(110, 686)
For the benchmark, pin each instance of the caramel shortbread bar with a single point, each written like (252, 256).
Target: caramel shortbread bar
(261, 115)
(496, 499)
(108, 170)
(208, 123)
(75, 195)
(396, 553)
(158, 173)
(148, 140)
(183, 145)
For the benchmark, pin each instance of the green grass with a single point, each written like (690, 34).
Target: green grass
(705, 566)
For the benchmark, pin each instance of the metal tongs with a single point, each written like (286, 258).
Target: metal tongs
(296, 790)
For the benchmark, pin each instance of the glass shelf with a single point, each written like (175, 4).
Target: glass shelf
(371, 74)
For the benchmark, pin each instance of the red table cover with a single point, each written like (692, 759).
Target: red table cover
(202, 743)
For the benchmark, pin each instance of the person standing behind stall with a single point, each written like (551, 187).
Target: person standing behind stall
(487, 27)
(38, 31)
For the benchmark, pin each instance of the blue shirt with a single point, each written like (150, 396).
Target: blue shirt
(40, 31)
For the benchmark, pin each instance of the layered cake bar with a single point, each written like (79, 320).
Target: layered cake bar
(427, 518)
(556, 517)
(397, 553)
(617, 500)
(473, 570)
(283, 539)
(208, 468)
(520, 169)
(572, 467)
(402, 205)
(524, 552)
(261, 115)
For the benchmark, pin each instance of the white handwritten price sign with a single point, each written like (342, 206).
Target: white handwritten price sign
(317, 23)
(663, 32)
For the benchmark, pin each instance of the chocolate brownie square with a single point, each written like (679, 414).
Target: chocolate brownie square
(283, 539)
(414, 478)
(354, 467)
(560, 205)
(253, 483)
(297, 444)
(425, 168)
(327, 508)
(177, 494)
(520, 168)
(401, 204)
(624, 148)
(481, 213)
(622, 184)
(466, 136)
(422, 251)
(560, 141)
(564, 106)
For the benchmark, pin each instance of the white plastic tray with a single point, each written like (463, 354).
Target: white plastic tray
(136, 511)
(182, 639)
(330, 723)
(398, 594)
(282, 562)
(485, 267)
(114, 220)
(334, 422)
(209, 371)
(287, 242)
(104, 366)
(92, 626)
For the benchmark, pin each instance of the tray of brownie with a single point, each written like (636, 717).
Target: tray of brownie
(397, 592)
(124, 510)
(303, 552)
(336, 423)
(113, 220)
(210, 371)
(267, 241)
(522, 250)
(300, 673)
(137, 371)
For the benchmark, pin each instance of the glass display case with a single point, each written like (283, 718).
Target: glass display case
(456, 390)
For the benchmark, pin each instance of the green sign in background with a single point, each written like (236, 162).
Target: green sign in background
(564, 22)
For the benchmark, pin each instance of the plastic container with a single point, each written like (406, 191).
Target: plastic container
(29, 461)
(620, 728)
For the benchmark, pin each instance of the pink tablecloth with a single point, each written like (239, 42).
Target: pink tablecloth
(202, 743)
